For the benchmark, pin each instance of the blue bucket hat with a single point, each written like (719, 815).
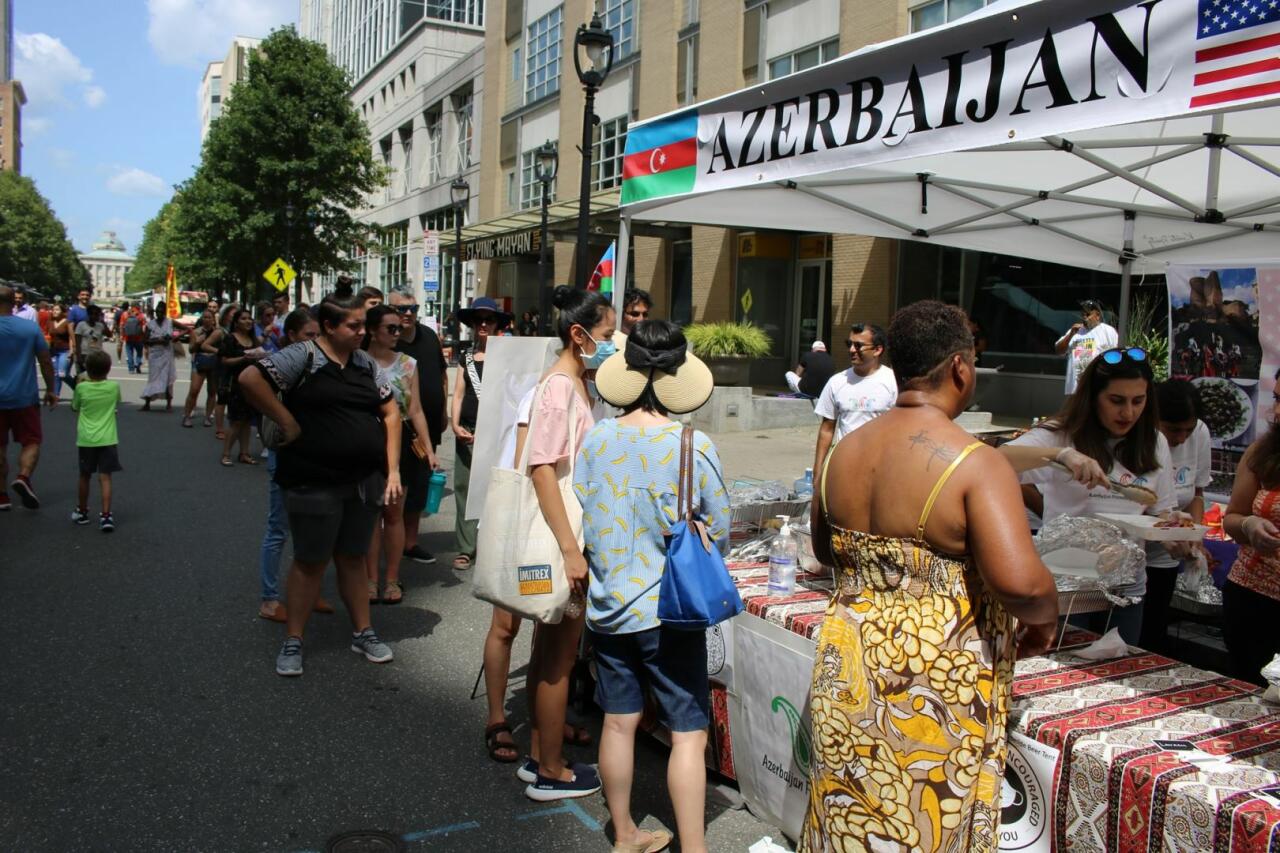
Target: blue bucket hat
(471, 316)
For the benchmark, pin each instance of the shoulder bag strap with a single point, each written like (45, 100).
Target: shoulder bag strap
(522, 464)
(684, 499)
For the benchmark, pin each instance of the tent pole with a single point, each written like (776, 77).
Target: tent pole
(1126, 276)
(621, 258)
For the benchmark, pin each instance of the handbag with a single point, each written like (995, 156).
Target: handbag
(416, 442)
(271, 433)
(696, 591)
(518, 564)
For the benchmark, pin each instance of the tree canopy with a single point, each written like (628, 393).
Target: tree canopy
(288, 139)
(34, 248)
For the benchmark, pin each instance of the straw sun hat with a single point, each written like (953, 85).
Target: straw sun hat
(681, 381)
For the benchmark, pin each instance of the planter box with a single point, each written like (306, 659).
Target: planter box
(730, 370)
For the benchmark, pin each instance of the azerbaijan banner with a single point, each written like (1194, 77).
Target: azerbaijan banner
(1225, 337)
(1011, 72)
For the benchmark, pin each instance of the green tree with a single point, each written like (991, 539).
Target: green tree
(34, 248)
(287, 139)
(154, 252)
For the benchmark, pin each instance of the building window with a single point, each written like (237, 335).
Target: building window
(406, 144)
(542, 69)
(940, 12)
(465, 108)
(530, 186)
(515, 64)
(395, 257)
(435, 148)
(606, 153)
(805, 58)
(687, 70)
(458, 11)
(513, 197)
(620, 21)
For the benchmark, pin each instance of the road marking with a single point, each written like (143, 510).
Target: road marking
(567, 807)
(439, 830)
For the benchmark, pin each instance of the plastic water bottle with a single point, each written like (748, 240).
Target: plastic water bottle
(783, 560)
(576, 605)
(804, 485)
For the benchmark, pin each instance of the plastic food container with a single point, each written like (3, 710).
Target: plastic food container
(1144, 527)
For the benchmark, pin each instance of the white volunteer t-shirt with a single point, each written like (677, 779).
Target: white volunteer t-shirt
(852, 400)
(1086, 345)
(1191, 462)
(1064, 496)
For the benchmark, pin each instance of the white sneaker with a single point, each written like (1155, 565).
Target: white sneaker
(79, 517)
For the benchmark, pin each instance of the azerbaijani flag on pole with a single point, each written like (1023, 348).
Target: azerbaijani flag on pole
(661, 158)
(171, 305)
(602, 278)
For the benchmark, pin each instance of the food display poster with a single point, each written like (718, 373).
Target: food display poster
(1224, 335)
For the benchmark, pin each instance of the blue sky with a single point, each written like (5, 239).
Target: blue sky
(112, 120)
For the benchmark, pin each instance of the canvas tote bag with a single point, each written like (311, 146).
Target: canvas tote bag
(518, 565)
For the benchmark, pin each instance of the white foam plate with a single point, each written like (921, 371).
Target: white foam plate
(1075, 562)
(1144, 527)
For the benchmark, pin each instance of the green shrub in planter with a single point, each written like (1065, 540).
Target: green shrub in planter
(714, 340)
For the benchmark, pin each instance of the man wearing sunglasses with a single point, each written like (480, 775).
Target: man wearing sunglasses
(423, 344)
(858, 395)
(1084, 340)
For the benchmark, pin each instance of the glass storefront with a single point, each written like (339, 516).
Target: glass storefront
(1022, 305)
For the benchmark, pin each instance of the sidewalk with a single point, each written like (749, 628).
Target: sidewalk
(767, 454)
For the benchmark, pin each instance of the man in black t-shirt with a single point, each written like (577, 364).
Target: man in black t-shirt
(812, 373)
(423, 345)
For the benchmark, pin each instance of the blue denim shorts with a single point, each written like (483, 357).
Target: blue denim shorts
(671, 664)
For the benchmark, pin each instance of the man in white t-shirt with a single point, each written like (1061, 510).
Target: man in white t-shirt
(1085, 340)
(855, 396)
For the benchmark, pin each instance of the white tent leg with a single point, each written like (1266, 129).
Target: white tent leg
(620, 261)
(1126, 277)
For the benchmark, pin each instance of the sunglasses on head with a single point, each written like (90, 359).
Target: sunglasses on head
(407, 309)
(1117, 355)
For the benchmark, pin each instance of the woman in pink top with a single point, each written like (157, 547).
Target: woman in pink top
(1251, 596)
(585, 324)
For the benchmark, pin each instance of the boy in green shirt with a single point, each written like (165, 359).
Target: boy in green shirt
(96, 437)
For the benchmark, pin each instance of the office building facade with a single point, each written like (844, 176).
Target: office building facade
(417, 72)
(221, 76)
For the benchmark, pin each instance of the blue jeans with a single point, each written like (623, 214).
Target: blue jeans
(61, 364)
(277, 533)
(133, 351)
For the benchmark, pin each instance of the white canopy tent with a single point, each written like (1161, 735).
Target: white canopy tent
(1057, 170)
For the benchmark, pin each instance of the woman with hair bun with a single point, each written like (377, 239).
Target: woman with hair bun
(585, 325)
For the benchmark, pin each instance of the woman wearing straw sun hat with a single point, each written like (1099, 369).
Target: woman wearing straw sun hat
(485, 318)
(625, 478)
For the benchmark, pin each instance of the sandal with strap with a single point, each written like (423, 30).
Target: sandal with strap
(462, 562)
(372, 586)
(246, 459)
(392, 592)
(503, 752)
(186, 422)
(576, 735)
(208, 422)
(659, 839)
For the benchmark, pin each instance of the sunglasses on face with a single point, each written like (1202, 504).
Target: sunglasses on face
(395, 330)
(407, 309)
(642, 314)
(858, 346)
(1115, 356)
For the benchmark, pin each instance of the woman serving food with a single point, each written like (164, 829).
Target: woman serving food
(1108, 436)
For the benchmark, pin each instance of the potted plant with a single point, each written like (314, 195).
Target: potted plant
(728, 348)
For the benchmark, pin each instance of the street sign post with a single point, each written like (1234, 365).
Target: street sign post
(280, 275)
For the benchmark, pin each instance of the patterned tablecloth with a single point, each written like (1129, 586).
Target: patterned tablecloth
(1116, 789)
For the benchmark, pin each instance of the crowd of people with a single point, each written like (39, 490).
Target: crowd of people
(939, 586)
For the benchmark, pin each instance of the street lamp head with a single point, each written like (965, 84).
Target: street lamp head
(547, 161)
(459, 191)
(288, 212)
(597, 43)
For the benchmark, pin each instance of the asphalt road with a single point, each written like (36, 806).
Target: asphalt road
(140, 709)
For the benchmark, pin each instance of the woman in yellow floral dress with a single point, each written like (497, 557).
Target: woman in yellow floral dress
(934, 561)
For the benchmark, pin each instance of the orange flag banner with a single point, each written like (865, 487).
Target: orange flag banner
(172, 308)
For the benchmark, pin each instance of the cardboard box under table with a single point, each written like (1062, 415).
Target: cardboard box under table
(1141, 752)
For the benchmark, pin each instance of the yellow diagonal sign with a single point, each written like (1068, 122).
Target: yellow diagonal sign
(280, 274)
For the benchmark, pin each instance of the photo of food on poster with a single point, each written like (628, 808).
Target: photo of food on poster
(1223, 325)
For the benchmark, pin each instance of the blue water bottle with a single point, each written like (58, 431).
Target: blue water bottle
(435, 491)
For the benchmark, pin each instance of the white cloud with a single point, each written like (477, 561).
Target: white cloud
(193, 32)
(35, 125)
(134, 181)
(51, 74)
(62, 158)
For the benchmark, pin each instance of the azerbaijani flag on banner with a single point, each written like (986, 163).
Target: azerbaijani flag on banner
(171, 304)
(661, 158)
(602, 278)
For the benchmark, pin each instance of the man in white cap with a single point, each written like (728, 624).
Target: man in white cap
(812, 373)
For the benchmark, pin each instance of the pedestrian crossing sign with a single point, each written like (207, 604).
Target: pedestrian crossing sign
(280, 275)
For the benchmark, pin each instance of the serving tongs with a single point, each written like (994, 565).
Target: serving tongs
(1138, 494)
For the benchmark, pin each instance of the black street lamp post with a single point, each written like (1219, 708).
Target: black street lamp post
(546, 163)
(288, 250)
(460, 193)
(596, 43)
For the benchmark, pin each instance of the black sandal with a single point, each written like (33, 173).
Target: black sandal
(494, 746)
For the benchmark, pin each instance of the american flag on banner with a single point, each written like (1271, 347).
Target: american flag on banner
(1237, 51)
